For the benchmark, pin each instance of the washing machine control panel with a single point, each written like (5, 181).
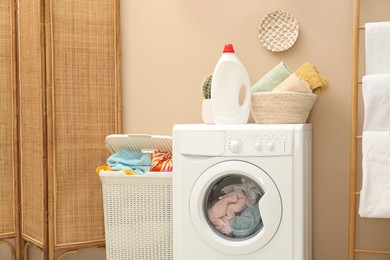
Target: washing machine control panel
(258, 143)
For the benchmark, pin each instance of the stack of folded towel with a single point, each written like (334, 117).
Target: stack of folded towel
(306, 79)
(375, 193)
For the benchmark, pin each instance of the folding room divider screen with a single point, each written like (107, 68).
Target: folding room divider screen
(59, 76)
(9, 228)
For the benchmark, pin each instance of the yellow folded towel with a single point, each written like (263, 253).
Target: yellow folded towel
(295, 84)
(108, 168)
(103, 168)
(309, 73)
(129, 172)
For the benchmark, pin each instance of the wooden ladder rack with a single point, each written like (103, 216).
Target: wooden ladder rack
(354, 137)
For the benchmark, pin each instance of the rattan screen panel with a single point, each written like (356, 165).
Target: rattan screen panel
(31, 92)
(84, 113)
(7, 122)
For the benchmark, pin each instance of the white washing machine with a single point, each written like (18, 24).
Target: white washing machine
(242, 192)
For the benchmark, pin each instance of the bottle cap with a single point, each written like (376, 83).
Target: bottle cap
(228, 48)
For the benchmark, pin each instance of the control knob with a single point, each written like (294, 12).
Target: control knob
(258, 146)
(269, 146)
(235, 145)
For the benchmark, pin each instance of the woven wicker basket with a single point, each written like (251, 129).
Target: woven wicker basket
(278, 31)
(138, 209)
(282, 107)
(137, 215)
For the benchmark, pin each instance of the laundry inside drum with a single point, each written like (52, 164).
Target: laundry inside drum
(232, 207)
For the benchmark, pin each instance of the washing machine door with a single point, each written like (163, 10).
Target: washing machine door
(236, 207)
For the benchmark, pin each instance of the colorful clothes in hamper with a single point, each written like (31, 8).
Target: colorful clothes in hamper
(130, 160)
(161, 162)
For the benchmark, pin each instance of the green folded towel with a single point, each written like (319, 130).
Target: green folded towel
(273, 78)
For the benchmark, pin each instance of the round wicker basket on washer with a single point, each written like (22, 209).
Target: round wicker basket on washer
(282, 107)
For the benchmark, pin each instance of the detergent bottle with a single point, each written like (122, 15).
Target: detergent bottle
(229, 77)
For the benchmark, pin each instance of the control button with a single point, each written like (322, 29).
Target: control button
(258, 146)
(269, 146)
(235, 145)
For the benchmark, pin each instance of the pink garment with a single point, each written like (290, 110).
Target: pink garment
(225, 209)
(249, 189)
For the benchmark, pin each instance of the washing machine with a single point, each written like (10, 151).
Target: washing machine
(242, 192)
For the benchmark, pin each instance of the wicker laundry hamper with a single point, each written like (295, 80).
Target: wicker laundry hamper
(138, 208)
(281, 107)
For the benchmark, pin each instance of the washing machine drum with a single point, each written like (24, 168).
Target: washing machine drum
(236, 207)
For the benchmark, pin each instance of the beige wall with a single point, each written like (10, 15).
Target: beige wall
(168, 47)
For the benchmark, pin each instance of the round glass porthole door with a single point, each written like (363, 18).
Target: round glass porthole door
(232, 206)
(235, 207)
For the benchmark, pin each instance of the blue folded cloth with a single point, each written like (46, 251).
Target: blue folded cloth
(130, 160)
(247, 223)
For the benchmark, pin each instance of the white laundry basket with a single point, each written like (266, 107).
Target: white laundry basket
(137, 208)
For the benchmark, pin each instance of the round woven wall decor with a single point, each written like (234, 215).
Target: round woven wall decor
(278, 31)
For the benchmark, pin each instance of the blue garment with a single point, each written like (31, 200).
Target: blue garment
(247, 223)
(130, 160)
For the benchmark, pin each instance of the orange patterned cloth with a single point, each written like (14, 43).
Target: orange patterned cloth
(161, 162)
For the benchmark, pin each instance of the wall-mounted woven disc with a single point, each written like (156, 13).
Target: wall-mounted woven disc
(278, 31)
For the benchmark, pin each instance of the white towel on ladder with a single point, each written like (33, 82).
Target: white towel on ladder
(375, 193)
(377, 47)
(376, 98)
